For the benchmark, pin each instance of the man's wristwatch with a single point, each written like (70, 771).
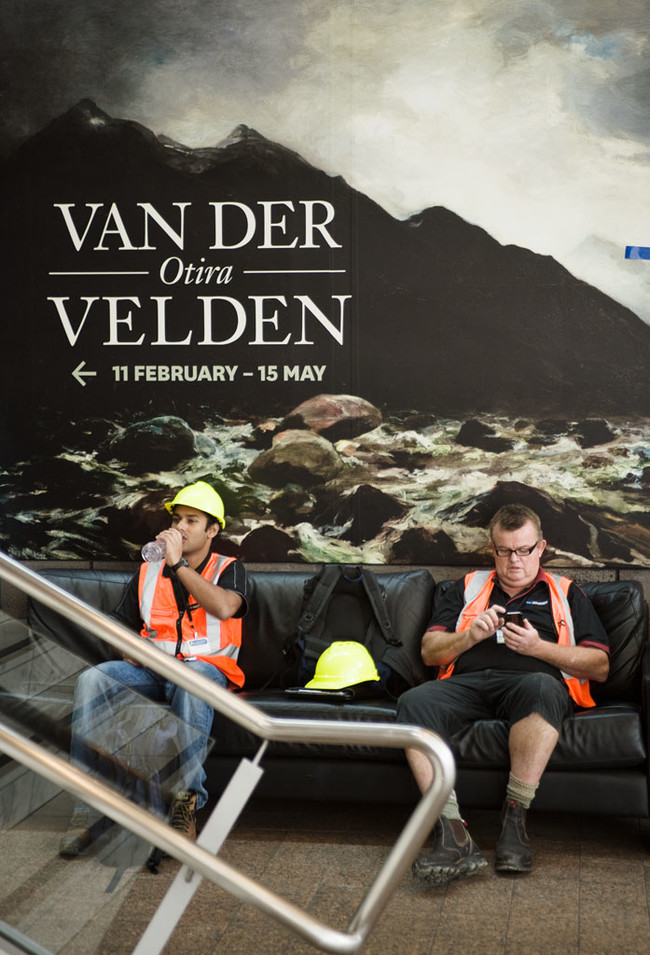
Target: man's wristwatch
(179, 563)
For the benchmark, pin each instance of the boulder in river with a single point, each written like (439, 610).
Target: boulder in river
(159, 444)
(335, 416)
(296, 457)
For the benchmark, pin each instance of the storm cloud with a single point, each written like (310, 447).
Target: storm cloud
(529, 118)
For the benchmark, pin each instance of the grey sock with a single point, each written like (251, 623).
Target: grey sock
(521, 792)
(450, 808)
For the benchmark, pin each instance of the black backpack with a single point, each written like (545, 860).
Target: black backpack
(344, 602)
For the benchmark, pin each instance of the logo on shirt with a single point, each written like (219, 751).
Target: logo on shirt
(537, 603)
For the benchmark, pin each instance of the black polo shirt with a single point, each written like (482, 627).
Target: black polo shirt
(535, 604)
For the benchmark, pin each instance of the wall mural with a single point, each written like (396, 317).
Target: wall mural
(369, 268)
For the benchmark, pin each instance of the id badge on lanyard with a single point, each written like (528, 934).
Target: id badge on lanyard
(198, 645)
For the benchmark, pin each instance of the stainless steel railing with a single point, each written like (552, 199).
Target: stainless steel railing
(195, 856)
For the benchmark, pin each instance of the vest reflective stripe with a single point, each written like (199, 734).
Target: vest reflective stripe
(478, 587)
(204, 636)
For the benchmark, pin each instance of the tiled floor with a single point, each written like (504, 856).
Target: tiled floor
(589, 891)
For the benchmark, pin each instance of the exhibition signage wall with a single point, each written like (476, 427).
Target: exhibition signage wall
(359, 385)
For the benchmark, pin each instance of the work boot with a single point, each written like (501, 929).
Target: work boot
(513, 847)
(455, 855)
(78, 837)
(183, 814)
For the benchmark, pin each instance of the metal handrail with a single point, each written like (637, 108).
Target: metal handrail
(267, 728)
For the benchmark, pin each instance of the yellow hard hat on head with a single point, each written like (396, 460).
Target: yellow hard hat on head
(344, 663)
(201, 496)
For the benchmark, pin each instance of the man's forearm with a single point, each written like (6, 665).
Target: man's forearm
(214, 599)
(585, 663)
(440, 647)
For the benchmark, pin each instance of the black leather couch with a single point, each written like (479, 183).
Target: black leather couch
(600, 764)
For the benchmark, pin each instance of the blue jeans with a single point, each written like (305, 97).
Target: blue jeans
(100, 693)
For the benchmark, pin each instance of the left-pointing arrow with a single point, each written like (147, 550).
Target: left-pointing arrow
(79, 374)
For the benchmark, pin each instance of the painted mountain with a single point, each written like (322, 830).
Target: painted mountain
(429, 314)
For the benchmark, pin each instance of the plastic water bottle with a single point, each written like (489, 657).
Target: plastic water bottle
(154, 550)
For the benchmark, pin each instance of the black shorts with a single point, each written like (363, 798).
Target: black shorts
(449, 706)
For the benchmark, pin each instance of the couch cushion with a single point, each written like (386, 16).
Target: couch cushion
(274, 612)
(100, 589)
(232, 739)
(623, 611)
(274, 602)
(605, 737)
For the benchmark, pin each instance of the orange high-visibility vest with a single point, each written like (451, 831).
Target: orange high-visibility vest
(204, 636)
(478, 587)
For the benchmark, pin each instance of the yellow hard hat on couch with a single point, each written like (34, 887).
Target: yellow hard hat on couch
(201, 496)
(344, 663)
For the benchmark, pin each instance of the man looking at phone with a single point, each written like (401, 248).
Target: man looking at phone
(530, 671)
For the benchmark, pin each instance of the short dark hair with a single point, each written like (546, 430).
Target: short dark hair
(513, 516)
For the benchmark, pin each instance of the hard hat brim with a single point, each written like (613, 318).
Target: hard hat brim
(169, 506)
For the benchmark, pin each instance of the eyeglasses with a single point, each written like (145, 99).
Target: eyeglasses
(519, 551)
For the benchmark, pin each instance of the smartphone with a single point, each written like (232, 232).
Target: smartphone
(516, 618)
